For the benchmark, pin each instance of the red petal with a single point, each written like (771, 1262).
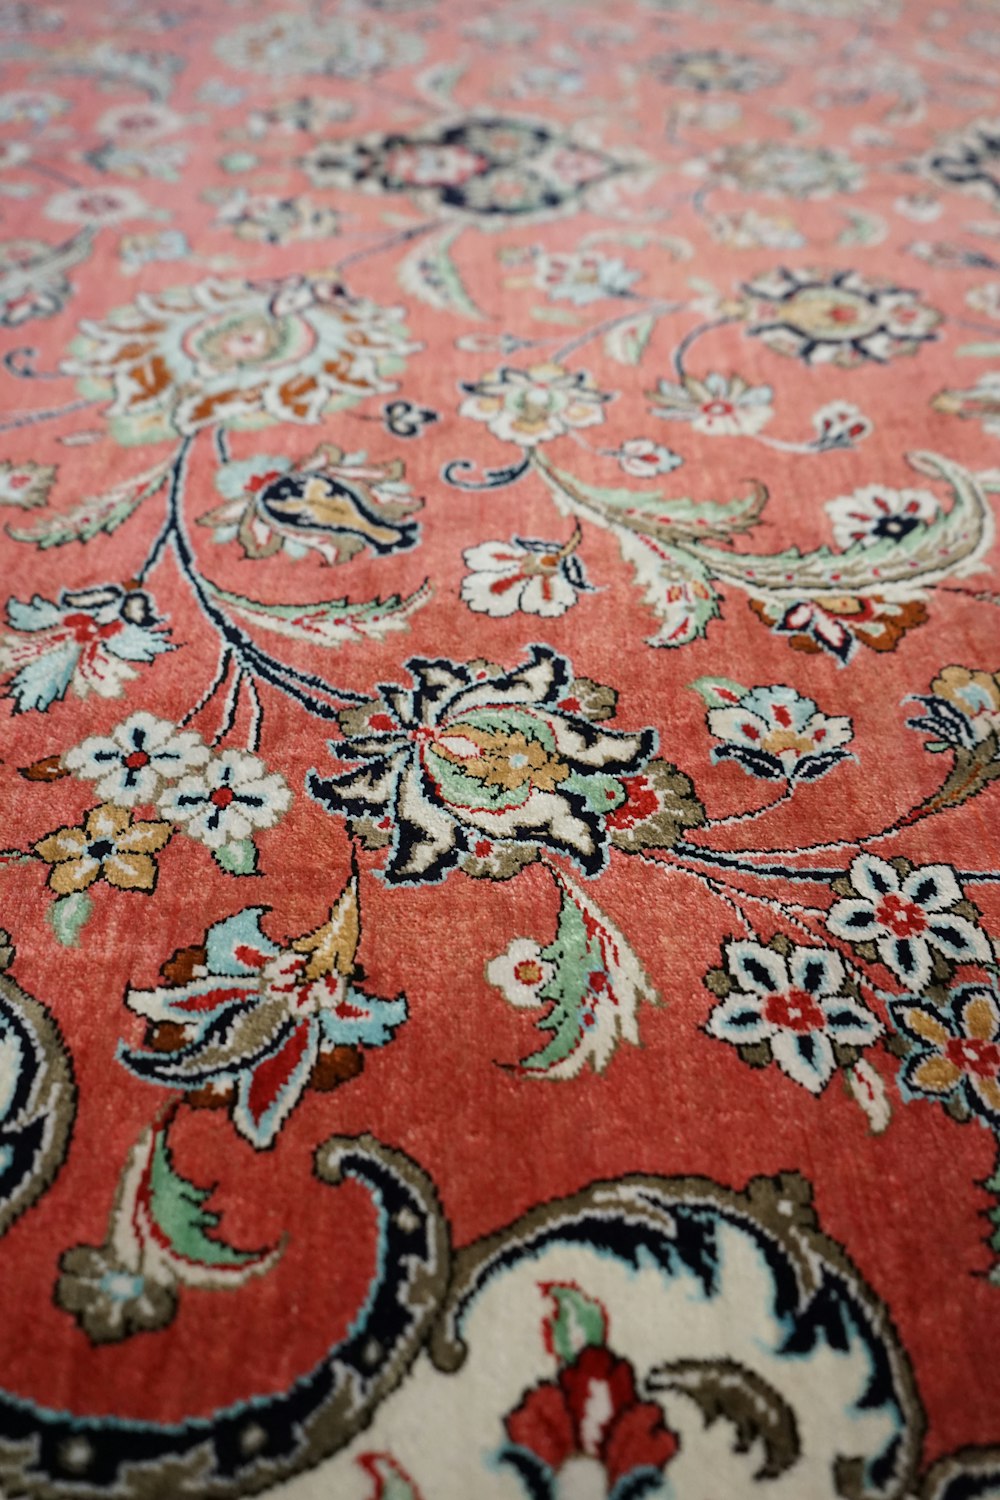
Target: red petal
(270, 1076)
(596, 1365)
(638, 1440)
(543, 1425)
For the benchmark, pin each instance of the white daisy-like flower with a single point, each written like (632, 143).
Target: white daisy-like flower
(524, 574)
(231, 797)
(140, 756)
(908, 917)
(718, 405)
(876, 514)
(520, 973)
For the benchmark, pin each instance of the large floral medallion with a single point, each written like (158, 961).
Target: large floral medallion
(489, 168)
(839, 318)
(482, 768)
(237, 353)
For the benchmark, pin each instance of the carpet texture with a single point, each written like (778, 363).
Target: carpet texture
(500, 873)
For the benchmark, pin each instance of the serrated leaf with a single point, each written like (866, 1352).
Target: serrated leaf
(67, 915)
(331, 622)
(94, 516)
(238, 857)
(430, 274)
(177, 1207)
(627, 343)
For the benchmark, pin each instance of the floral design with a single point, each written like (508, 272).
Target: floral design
(475, 763)
(227, 800)
(110, 845)
(909, 919)
(524, 574)
(780, 169)
(272, 220)
(877, 514)
(792, 1006)
(838, 317)
(963, 707)
(26, 484)
(979, 403)
(535, 405)
(237, 353)
(253, 1025)
(297, 240)
(968, 159)
(840, 624)
(332, 502)
(644, 459)
(954, 1054)
(556, 1426)
(715, 70)
(86, 640)
(160, 1238)
(33, 281)
(583, 277)
(590, 1421)
(287, 44)
(718, 405)
(776, 733)
(132, 764)
(487, 168)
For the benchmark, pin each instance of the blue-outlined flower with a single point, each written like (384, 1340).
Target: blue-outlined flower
(85, 640)
(256, 1023)
(776, 733)
(794, 1004)
(907, 918)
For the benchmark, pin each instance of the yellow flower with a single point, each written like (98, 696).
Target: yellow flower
(109, 846)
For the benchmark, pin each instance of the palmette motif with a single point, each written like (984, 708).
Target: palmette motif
(557, 1053)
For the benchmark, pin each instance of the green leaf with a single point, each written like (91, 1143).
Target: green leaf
(627, 343)
(718, 692)
(575, 1322)
(979, 351)
(101, 514)
(429, 272)
(178, 1209)
(67, 915)
(238, 858)
(331, 622)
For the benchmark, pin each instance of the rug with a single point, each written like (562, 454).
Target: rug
(500, 873)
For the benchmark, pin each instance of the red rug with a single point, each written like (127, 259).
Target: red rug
(500, 838)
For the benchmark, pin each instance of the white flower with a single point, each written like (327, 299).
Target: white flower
(534, 405)
(140, 756)
(875, 514)
(97, 205)
(719, 405)
(227, 800)
(907, 917)
(794, 1004)
(535, 577)
(643, 458)
(520, 973)
(583, 277)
